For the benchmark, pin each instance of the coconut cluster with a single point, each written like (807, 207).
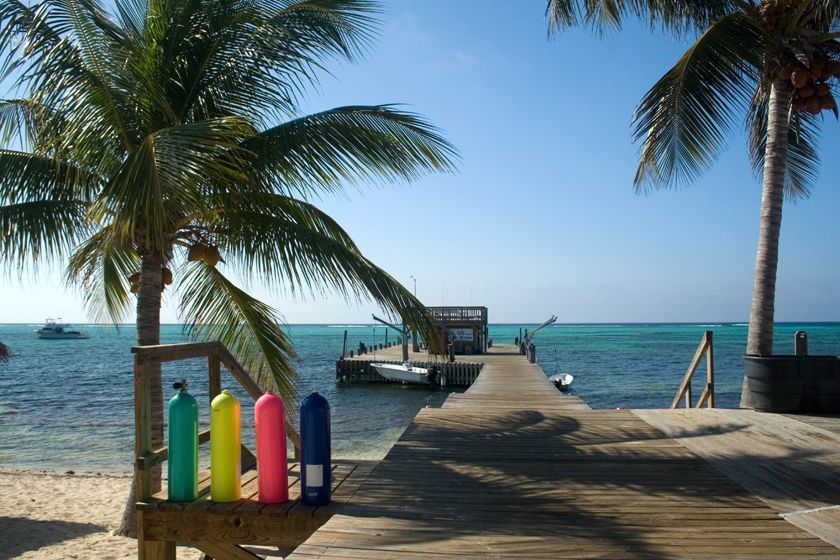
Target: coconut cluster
(812, 91)
(165, 277)
(207, 253)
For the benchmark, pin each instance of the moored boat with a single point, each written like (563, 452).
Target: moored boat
(406, 373)
(562, 381)
(55, 330)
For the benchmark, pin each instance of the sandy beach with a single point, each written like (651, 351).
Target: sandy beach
(52, 516)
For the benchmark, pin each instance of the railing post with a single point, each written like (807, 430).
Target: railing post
(142, 427)
(710, 370)
(214, 371)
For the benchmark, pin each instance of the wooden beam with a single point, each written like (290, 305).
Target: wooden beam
(172, 352)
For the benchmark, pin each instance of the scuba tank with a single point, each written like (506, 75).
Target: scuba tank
(315, 462)
(225, 448)
(183, 445)
(272, 462)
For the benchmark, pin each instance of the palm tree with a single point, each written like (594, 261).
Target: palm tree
(774, 61)
(159, 141)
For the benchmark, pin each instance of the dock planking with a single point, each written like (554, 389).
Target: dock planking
(512, 468)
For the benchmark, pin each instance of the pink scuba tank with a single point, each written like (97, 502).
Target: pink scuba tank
(272, 463)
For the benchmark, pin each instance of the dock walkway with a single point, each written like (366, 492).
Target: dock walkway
(512, 468)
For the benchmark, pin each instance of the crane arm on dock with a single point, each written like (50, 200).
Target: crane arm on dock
(531, 334)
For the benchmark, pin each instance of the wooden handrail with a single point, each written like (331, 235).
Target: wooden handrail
(708, 395)
(217, 355)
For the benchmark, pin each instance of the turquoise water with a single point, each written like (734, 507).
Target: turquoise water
(68, 404)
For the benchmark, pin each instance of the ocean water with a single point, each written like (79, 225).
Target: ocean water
(68, 404)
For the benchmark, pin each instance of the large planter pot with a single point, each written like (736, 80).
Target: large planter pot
(794, 384)
(774, 383)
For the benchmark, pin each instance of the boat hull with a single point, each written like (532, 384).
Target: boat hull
(61, 336)
(394, 372)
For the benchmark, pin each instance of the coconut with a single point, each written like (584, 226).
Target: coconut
(786, 71)
(799, 77)
(813, 105)
(822, 90)
(827, 102)
(807, 91)
(212, 257)
(799, 102)
(166, 275)
(833, 66)
(134, 279)
(196, 252)
(135, 288)
(814, 72)
(819, 62)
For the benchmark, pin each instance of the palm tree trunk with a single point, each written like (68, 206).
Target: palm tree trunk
(760, 338)
(148, 333)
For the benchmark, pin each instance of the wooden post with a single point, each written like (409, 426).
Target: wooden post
(405, 343)
(344, 346)
(710, 370)
(532, 353)
(214, 371)
(142, 427)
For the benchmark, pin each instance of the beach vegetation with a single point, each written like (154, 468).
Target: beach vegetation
(771, 64)
(159, 147)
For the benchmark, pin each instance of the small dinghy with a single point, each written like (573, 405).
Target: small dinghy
(562, 381)
(406, 373)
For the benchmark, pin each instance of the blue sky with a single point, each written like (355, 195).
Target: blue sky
(541, 217)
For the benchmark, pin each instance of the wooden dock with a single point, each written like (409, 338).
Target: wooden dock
(512, 468)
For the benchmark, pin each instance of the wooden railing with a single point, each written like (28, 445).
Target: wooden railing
(217, 355)
(708, 394)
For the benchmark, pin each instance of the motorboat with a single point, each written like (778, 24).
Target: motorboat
(406, 373)
(54, 329)
(562, 381)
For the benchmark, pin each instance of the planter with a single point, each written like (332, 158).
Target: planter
(793, 384)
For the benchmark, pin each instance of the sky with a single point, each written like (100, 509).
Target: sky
(540, 217)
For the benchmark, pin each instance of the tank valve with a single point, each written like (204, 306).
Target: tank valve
(181, 384)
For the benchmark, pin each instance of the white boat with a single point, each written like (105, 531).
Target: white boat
(53, 329)
(562, 380)
(406, 373)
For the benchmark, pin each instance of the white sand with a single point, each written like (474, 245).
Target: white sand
(50, 516)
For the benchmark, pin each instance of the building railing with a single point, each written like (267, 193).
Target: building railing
(459, 313)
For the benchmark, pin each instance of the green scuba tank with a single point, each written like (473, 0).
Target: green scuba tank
(183, 446)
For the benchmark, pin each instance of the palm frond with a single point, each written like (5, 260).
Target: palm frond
(164, 179)
(100, 267)
(602, 16)
(257, 57)
(354, 144)
(40, 229)
(685, 115)
(5, 353)
(215, 309)
(25, 176)
(292, 243)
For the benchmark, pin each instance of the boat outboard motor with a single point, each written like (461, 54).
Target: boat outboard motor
(432, 376)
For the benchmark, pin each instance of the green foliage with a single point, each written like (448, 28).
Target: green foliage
(683, 120)
(168, 124)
